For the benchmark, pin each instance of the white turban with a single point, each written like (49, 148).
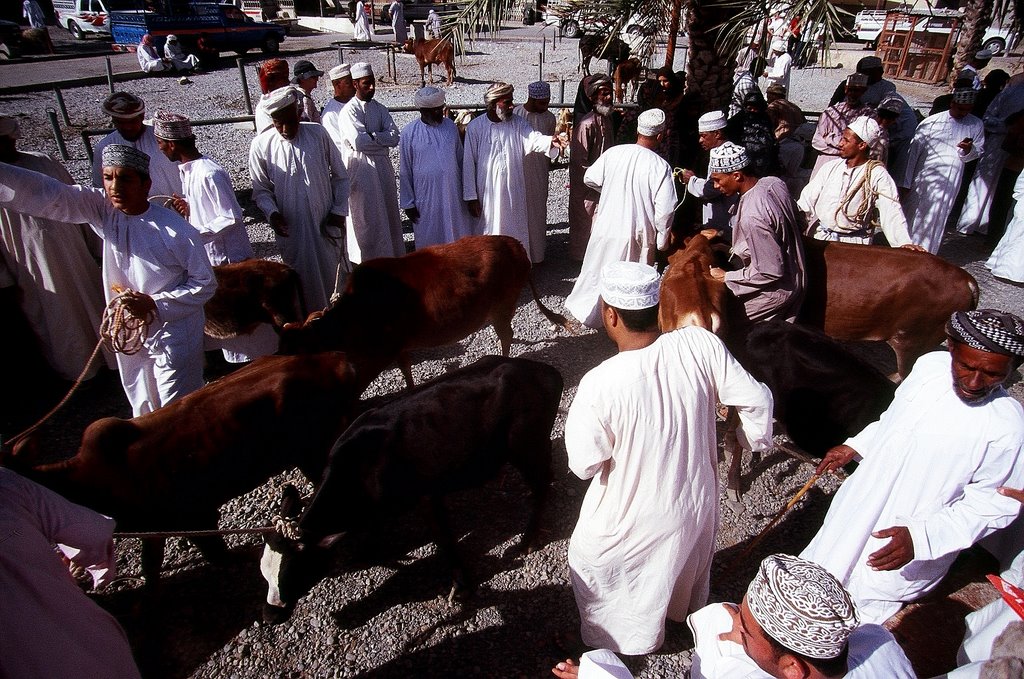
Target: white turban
(340, 71)
(728, 158)
(709, 122)
(361, 69)
(778, 46)
(279, 99)
(9, 127)
(429, 97)
(802, 606)
(630, 285)
(867, 129)
(650, 122)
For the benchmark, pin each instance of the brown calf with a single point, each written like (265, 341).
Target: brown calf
(430, 52)
(249, 293)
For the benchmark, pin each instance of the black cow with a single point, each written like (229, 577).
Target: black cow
(451, 433)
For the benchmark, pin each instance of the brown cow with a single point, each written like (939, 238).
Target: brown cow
(613, 50)
(854, 292)
(430, 52)
(627, 73)
(171, 469)
(249, 293)
(429, 298)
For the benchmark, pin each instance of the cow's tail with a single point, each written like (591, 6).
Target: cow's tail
(554, 318)
(972, 284)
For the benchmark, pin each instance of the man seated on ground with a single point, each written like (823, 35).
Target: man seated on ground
(150, 60)
(796, 620)
(179, 58)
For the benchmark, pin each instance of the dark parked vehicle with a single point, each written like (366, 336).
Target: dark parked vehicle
(221, 27)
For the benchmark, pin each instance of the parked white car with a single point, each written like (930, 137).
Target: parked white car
(868, 25)
(82, 17)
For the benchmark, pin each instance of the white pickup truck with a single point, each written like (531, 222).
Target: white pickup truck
(868, 25)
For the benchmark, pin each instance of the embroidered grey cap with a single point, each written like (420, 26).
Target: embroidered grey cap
(728, 158)
(122, 155)
(990, 330)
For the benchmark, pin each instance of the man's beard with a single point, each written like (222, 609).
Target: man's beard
(602, 110)
(504, 114)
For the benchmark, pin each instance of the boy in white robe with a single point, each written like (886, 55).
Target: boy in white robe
(210, 205)
(147, 249)
(369, 134)
(330, 117)
(430, 174)
(633, 219)
(493, 175)
(537, 166)
(300, 183)
(943, 144)
(642, 426)
(929, 469)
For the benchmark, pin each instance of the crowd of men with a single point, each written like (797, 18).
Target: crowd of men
(641, 552)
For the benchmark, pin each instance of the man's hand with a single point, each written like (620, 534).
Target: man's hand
(897, 554)
(736, 633)
(835, 458)
(717, 274)
(180, 205)
(413, 214)
(335, 221)
(560, 141)
(686, 175)
(475, 208)
(139, 304)
(1017, 495)
(914, 247)
(566, 670)
(278, 224)
(966, 145)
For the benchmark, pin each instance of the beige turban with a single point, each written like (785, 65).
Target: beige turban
(496, 92)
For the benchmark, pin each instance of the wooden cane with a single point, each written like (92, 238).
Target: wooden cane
(789, 505)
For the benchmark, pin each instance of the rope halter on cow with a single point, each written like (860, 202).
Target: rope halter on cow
(122, 330)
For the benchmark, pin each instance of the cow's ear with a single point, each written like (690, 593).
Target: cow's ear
(329, 541)
(291, 501)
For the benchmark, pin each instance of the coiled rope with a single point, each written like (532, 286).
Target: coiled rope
(863, 214)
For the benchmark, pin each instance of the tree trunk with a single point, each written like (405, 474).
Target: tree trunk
(708, 71)
(673, 31)
(977, 19)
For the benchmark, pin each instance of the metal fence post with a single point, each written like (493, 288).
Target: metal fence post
(110, 76)
(57, 135)
(245, 85)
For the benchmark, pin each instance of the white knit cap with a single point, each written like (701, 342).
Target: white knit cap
(361, 69)
(965, 95)
(650, 122)
(728, 158)
(802, 606)
(539, 90)
(867, 129)
(630, 285)
(9, 127)
(429, 97)
(711, 121)
(279, 99)
(340, 71)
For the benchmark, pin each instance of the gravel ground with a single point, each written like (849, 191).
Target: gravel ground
(383, 610)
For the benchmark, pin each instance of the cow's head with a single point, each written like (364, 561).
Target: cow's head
(291, 564)
(409, 47)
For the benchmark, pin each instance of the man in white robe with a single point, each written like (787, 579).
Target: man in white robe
(642, 549)
(537, 166)
(273, 75)
(716, 208)
(179, 58)
(493, 176)
(147, 249)
(843, 200)
(974, 217)
(430, 174)
(633, 218)
(361, 23)
(369, 134)
(300, 183)
(942, 145)
(50, 627)
(796, 620)
(929, 469)
(330, 117)
(1007, 259)
(397, 11)
(150, 60)
(127, 112)
(54, 268)
(782, 66)
(209, 204)
(592, 136)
